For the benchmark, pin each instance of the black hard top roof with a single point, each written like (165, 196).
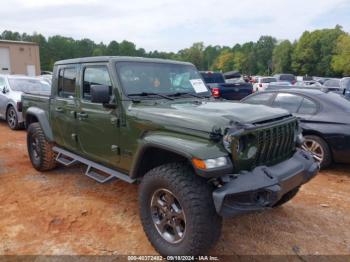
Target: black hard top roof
(97, 59)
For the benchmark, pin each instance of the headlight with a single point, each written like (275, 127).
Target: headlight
(210, 163)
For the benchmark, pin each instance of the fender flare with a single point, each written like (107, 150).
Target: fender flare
(43, 120)
(188, 147)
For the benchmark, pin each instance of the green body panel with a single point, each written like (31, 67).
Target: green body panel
(117, 137)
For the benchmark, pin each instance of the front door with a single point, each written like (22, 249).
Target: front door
(63, 108)
(3, 98)
(98, 131)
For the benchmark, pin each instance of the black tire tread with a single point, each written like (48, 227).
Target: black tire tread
(287, 197)
(198, 195)
(48, 156)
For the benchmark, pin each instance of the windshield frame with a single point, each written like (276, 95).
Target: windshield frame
(126, 94)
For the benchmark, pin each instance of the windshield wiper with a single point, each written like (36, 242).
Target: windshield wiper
(187, 93)
(151, 94)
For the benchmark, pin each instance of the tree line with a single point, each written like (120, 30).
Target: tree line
(324, 52)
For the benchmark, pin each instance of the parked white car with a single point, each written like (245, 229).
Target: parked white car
(262, 83)
(11, 89)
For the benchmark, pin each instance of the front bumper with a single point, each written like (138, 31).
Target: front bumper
(264, 186)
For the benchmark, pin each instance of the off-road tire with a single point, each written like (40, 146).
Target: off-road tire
(46, 157)
(327, 158)
(15, 125)
(203, 225)
(286, 197)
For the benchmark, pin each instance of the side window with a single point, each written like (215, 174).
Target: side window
(2, 82)
(307, 107)
(66, 82)
(259, 99)
(95, 75)
(288, 101)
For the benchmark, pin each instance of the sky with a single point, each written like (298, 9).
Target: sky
(171, 25)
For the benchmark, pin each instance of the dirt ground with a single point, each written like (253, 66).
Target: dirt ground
(64, 212)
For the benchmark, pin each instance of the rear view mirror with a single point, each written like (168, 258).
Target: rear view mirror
(100, 94)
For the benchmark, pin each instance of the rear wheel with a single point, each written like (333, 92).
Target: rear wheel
(319, 150)
(12, 118)
(177, 211)
(40, 151)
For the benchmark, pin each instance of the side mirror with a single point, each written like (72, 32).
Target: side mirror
(100, 94)
(3, 89)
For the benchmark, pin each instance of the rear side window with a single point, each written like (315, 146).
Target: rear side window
(95, 75)
(259, 99)
(307, 107)
(288, 101)
(67, 82)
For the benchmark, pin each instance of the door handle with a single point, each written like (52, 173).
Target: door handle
(59, 109)
(82, 115)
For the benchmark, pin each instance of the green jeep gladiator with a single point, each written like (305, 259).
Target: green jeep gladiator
(154, 122)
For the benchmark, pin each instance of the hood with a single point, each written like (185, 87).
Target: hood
(205, 116)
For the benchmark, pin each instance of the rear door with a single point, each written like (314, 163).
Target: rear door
(63, 107)
(98, 126)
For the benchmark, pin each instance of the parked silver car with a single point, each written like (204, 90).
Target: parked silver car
(11, 89)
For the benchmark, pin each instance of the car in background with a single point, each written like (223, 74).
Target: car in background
(286, 78)
(278, 85)
(332, 85)
(11, 89)
(221, 89)
(47, 78)
(310, 83)
(324, 118)
(262, 83)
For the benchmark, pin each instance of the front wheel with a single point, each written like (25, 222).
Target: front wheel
(318, 149)
(12, 118)
(177, 211)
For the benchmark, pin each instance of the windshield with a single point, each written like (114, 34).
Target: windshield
(212, 78)
(160, 78)
(29, 85)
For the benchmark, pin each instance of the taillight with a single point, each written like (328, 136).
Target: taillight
(215, 91)
(19, 106)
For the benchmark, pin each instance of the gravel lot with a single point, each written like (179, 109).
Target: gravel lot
(64, 212)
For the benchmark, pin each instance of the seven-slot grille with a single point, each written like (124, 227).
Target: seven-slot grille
(275, 143)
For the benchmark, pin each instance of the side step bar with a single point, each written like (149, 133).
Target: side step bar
(67, 158)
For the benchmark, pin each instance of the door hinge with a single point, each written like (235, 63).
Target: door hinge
(115, 121)
(116, 149)
(75, 137)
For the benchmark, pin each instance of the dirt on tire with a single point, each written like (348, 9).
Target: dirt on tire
(64, 212)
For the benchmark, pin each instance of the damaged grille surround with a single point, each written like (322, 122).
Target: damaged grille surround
(262, 144)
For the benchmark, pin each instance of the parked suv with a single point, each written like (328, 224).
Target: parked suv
(286, 78)
(11, 89)
(154, 122)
